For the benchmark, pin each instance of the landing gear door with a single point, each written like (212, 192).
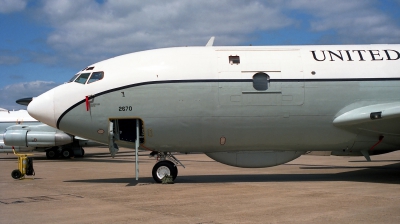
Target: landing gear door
(112, 135)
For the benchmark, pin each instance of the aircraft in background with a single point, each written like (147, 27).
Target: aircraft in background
(249, 106)
(25, 134)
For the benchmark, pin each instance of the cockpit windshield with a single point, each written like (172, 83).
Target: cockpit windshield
(84, 77)
(96, 76)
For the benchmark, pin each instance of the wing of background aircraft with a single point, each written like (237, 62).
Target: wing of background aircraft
(24, 101)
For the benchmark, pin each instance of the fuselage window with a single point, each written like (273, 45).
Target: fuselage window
(82, 78)
(96, 76)
(260, 81)
(234, 60)
(73, 78)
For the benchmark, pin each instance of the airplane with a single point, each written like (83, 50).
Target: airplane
(25, 134)
(244, 106)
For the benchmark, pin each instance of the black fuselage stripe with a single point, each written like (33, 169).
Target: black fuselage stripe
(219, 80)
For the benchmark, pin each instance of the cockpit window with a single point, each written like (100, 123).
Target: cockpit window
(82, 78)
(73, 78)
(96, 76)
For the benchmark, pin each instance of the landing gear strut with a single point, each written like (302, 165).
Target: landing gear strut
(164, 166)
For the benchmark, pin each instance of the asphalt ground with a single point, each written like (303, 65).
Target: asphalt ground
(100, 189)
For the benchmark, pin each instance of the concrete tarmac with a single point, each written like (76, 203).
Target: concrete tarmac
(100, 189)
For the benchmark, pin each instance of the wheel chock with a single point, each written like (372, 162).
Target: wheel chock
(167, 179)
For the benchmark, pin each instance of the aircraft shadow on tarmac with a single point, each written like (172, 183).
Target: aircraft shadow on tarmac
(105, 159)
(373, 161)
(122, 157)
(384, 174)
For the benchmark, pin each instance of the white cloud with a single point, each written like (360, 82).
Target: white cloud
(87, 31)
(8, 6)
(11, 93)
(356, 21)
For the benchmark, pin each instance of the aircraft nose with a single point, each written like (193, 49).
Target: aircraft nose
(42, 108)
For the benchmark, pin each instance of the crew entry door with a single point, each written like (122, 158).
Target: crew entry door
(122, 132)
(128, 133)
(125, 131)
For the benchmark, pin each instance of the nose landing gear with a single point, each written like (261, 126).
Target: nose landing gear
(165, 167)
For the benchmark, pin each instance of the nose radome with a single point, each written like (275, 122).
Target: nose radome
(42, 108)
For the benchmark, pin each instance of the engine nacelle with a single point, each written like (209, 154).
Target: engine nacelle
(8, 149)
(255, 159)
(27, 138)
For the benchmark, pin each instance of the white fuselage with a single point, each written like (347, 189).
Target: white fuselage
(205, 99)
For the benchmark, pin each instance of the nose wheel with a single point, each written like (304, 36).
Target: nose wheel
(163, 168)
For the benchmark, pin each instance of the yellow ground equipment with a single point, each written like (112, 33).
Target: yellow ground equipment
(25, 166)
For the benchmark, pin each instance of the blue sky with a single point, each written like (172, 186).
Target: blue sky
(44, 43)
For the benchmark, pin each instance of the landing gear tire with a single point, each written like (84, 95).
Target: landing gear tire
(16, 174)
(163, 168)
(83, 152)
(52, 153)
(66, 153)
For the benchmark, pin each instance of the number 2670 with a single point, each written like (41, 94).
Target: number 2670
(125, 108)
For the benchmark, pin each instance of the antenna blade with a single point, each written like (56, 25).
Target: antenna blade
(210, 42)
